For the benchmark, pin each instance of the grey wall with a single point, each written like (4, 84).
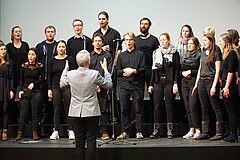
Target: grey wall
(167, 16)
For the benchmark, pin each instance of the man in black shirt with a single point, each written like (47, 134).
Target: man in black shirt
(47, 50)
(112, 44)
(79, 41)
(98, 55)
(111, 36)
(130, 68)
(147, 43)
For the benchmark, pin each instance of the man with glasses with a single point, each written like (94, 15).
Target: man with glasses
(130, 68)
(79, 41)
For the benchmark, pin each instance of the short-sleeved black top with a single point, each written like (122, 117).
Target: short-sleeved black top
(208, 72)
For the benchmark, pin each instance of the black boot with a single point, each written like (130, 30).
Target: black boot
(219, 131)
(232, 137)
(170, 130)
(205, 131)
(156, 132)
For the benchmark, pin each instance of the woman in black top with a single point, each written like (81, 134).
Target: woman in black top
(18, 51)
(31, 76)
(235, 41)
(58, 95)
(6, 89)
(189, 68)
(230, 91)
(163, 82)
(208, 87)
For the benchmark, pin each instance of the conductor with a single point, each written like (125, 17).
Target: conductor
(84, 108)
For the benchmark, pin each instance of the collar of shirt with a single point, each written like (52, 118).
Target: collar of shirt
(109, 29)
(102, 52)
(131, 50)
(82, 36)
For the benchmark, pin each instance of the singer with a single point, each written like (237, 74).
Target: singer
(131, 67)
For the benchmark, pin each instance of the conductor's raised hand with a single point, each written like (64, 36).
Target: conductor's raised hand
(104, 65)
(66, 65)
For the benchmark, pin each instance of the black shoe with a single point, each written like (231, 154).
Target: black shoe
(232, 137)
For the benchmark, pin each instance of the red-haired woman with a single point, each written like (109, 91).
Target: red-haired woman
(163, 82)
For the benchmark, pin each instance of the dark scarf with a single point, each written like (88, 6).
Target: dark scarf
(190, 58)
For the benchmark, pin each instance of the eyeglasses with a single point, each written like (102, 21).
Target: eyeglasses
(77, 25)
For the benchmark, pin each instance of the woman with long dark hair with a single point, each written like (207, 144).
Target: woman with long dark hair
(208, 87)
(6, 90)
(230, 91)
(58, 95)
(181, 45)
(189, 69)
(18, 52)
(31, 77)
(163, 83)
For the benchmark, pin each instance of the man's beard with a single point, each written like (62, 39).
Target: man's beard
(144, 31)
(50, 40)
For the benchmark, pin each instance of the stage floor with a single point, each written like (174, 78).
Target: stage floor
(135, 143)
(145, 149)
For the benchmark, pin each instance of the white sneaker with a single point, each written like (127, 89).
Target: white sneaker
(139, 135)
(189, 135)
(197, 134)
(123, 136)
(71, 135)
(54, 135)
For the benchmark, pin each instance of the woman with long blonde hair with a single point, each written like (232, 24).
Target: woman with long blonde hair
(230, 90)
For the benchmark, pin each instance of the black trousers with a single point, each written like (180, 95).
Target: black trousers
(163, 89)
(207, 101)
(59, 96)
(44, 109)
(149, 107)
(85, 130)
(232, 105)
(30, 99)
(124, 98)
(191, 102)
(102, 99)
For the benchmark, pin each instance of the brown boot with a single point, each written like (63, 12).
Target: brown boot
(219, 131)
(205, 131)
(19, 136)
(35, 136)
(4, 135)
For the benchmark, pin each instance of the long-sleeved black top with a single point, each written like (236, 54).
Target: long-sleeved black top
(229, 65)
(109, 36)
(18, 56)
(95, 61)
(31, 74)
(170, 71)
(74, 45)
(55, 68)
(136, 60)
(238, 49)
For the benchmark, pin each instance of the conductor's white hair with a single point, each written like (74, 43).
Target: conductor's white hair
(82, 58)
